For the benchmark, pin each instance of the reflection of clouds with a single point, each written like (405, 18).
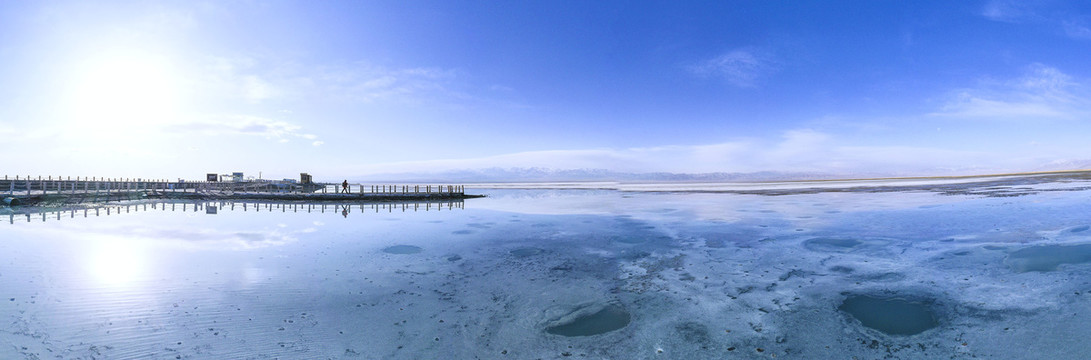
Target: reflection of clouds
(222, 239)
(153, 235)
(804, 209)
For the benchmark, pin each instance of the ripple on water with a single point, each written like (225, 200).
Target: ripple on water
(402, 249)
(892, 316)
(610, 318)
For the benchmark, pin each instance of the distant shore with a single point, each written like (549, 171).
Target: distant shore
(962, 184)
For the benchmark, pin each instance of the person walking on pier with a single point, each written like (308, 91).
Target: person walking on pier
(345, 187)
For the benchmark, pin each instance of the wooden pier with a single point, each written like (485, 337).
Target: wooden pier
(61, 190)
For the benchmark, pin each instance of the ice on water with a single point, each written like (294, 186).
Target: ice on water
(561, 273)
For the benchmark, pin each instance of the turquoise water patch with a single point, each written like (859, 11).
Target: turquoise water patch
(893, 316)
(610, 318)
(1047, 257)
(883, 277)
(842, 269)
(1080, 228)
(402, 249)
(831, 244)
(525, 252)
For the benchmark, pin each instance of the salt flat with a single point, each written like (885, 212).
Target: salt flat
(563, 273)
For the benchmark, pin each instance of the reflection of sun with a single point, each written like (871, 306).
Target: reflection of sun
(124, 89)
(116, 262)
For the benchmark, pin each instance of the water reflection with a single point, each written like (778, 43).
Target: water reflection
(43, 214)
(116, 261)
(526, 274)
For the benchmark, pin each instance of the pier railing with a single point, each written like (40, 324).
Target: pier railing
(49, 185)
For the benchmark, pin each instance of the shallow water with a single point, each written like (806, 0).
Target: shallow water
(555, 274)
(893, 316)
(402, 249)
(609, 318)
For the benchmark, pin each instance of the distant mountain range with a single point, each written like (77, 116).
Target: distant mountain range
(535, 174)
(1058, 165)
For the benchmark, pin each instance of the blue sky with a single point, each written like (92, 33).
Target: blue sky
(340, 89)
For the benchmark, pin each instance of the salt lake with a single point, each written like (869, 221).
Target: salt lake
(557, 274)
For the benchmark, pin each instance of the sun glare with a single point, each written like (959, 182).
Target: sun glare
(125, 90)
(116, 262)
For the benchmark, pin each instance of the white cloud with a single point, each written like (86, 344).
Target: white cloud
(1043, 92)
(256, 79)
(369, 83)
(741, 67)
(1006, 11)
(318, 143)
(255, 89)
(1037, 13)
(798, 150)
(1076, 29)
(247, 125)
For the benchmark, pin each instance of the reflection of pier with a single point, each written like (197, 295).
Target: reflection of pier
(215, 207)
(50, 190)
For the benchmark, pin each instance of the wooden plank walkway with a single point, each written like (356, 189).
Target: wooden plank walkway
(27, 191)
